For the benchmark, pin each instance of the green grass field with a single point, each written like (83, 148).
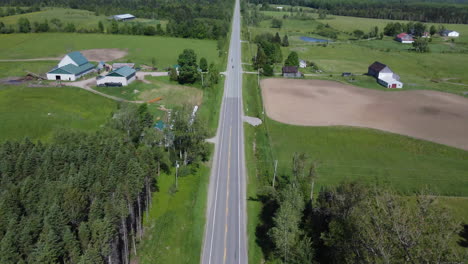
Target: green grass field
(175, 224)
(173, 94)
(18, 69)
(141, 49)
(82, 19)
(24, 112)
(442, 69)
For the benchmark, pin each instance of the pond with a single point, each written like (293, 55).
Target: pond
(309, 39)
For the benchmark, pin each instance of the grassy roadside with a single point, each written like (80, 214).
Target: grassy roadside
(174, 226)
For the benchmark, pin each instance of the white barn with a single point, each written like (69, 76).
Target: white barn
(71, 67)
(450, 33)
(385, 76)
(120, 77)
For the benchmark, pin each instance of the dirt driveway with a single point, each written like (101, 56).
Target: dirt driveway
(430, 115)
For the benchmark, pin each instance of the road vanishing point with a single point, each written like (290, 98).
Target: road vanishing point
(225, 240)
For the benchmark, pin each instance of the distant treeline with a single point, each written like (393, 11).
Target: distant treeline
(436, 12)
(11, 11)
(81, 197)
(189, 19)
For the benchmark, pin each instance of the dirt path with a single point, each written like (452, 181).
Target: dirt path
(429, 115)
(89, 83)
(95, 55)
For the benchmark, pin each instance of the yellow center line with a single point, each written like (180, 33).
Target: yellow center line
(227, 195)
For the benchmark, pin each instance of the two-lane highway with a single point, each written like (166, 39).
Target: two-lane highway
(225, 231)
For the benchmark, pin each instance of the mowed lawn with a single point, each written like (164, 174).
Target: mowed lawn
(18, 69)
(37, 113)
(344, 153)
(141, 49)
(175, 224)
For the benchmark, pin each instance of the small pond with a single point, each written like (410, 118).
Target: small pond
(309, 39)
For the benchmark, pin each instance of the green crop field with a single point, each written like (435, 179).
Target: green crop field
(175, 224)
(37, 112)
(140, 48)
(82, 19)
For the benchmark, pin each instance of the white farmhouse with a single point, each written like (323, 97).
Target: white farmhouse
(385, 76)
(71, 67)
(302, 64)
(121, 77)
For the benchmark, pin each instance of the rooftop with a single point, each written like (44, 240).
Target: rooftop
(78, 58)
(124, 16)
(72, 69)
(377, 66)
(124, 72)
(290, 69)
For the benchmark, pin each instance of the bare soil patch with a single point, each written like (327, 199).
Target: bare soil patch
(104, 54)
(430, 115)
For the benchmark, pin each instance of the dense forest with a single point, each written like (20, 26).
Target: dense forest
(80, 198)
(417, 10)
(352, 223)
(188, 19)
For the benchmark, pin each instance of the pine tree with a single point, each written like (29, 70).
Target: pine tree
(285, 42)
(277, 38)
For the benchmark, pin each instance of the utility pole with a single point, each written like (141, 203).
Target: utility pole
(177, 171)
(274, 175)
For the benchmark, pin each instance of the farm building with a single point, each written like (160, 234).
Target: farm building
(291, 72)
(404, 38)
(426, 35)
(115, 66)
(124, 17)
(120, 77)
(71, 67)
(385, 76)
(449, 33)
(302, 64)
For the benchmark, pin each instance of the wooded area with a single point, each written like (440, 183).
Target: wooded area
(188, 19)
(352, 223)
(414, 10)
(81, 197)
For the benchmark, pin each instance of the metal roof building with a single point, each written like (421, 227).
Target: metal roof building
(71, 67)
(119, 77)
(124, 17)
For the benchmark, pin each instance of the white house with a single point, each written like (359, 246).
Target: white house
(302, 63)
(450, 33)
(71, 67)
(120, 77)
(280, 8)
(385, 76)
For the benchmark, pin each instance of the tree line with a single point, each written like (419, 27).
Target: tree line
(203, 19)
(424, 11)
(11, 11)
(351, 223)
(81, 197)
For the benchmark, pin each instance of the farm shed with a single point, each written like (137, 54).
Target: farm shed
(71, 67)
(449, 33)
(115, 66)
(404, 38)
(291, 72)
(384, 75)
(120, 77)
(124, 17)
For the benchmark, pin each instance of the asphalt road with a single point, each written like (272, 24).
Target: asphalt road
(225, 231)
